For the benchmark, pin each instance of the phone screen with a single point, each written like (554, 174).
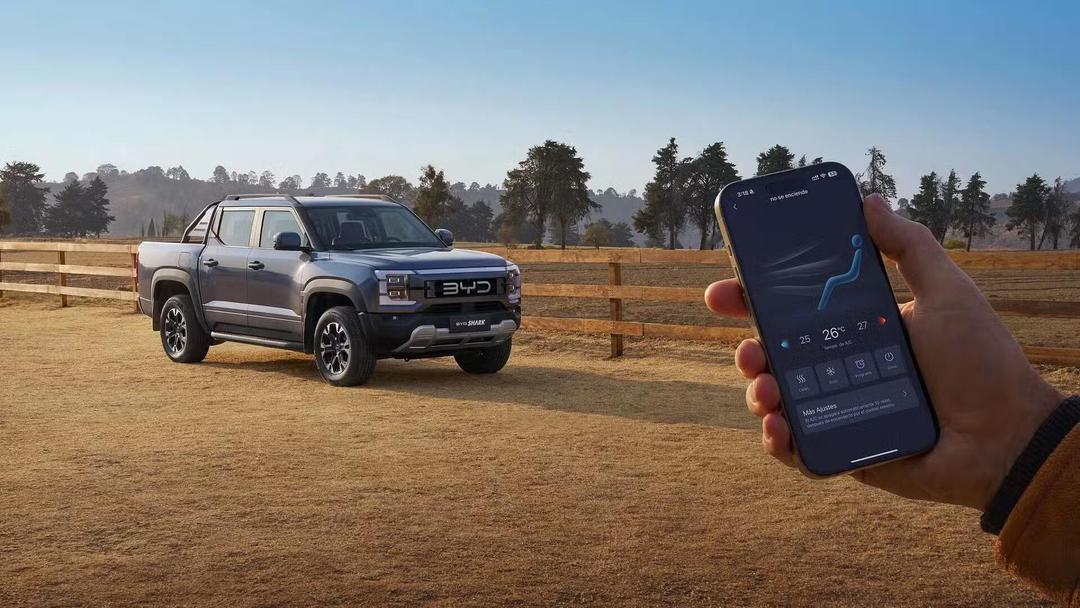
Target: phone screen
(828, 319)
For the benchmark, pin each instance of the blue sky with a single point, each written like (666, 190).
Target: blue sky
(384, 87)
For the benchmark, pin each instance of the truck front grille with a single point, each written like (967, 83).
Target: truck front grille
(454, 308)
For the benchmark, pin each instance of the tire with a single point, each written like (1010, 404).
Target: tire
(485, 361)
(343, 354)
(183, 339)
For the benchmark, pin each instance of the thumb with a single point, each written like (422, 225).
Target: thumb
(919, 257)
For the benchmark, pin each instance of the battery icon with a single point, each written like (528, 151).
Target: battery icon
(814, 178)
(832, 173)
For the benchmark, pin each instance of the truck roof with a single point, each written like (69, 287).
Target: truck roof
(288, 200)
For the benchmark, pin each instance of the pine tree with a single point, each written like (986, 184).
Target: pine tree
(96, 218)
(65, 217)
(709, 172)
(776, 158)
(151, 230)
(973, 217)
(950, 199)
(432, 195)
(664, 213)
(1028, 208)
(1057, 214)
(25, 200)
(874, 179)
(927, 207)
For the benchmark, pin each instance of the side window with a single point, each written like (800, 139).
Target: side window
(235, 226)
(274, 222)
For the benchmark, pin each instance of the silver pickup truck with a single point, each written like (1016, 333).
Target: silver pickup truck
(349, 279)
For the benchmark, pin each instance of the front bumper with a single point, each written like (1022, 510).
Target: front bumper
(419, 334)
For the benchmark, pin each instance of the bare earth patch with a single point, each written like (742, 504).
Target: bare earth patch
(566, 479)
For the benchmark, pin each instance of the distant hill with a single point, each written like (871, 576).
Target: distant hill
(1073, 185)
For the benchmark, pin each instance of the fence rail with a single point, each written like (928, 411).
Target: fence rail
(62, 269)
(614, 291)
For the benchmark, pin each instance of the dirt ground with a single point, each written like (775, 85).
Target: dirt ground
(565, 479)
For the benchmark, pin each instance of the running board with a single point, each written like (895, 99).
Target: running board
(257, 341)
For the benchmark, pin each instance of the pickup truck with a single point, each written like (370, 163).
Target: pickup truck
(349, 279)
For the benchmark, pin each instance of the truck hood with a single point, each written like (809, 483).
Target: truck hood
(420, 258)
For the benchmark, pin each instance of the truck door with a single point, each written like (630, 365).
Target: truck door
(223, 269)
(274, 278)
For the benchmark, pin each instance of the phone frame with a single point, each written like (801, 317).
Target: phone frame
(729, 245)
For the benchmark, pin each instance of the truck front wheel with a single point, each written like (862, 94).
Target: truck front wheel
(486, 360)
(342, 353)
(182, 337)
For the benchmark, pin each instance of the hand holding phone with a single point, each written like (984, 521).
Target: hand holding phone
(988, 399)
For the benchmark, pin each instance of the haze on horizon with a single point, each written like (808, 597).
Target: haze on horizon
(468, 86)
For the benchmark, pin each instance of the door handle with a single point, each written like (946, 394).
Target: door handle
(256, 265)
(211, 262)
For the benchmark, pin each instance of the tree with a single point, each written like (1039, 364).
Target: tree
(5, 215)
(874, 179)
(973, 217)
(1074, 232)
(802, 161)
(394, 186)
(65, 217)
(293, 182)
(266, 179)
(340, 181)
(1028, 208)
(664, 212)
(151, 231)
(928, 208)
(550, 183)
(71, 176)
(220, 175)
(776, 158)
(597, 235)
(432, 195)
(108, 170)
(171, 222)
(950, 200)
(1056, 217)
(469, 222)
(18, 188)
(709, 172)
(570, 193)
(96, 208)
(178, 173)
(320, 180)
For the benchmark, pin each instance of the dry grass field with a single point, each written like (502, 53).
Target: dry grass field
(566, 479)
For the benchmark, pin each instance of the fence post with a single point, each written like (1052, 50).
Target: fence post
(135, 278)
(1, 271)
(615, 278)
(63, 279)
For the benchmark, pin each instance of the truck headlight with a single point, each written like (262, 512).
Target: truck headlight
(513, 280)
(397, 286)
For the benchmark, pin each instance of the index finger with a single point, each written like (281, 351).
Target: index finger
(726, 298)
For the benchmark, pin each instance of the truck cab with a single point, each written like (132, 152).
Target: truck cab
(348, 278)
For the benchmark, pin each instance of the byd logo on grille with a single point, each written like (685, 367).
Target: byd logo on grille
(465, 287)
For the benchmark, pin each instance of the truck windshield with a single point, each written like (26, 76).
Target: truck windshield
(349, 227)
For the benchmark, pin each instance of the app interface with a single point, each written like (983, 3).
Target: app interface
(828, 317)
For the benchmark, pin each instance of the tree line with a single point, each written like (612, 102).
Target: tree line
(545, 197)
(77, 210)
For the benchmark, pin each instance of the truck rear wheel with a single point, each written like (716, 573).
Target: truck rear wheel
(343, 354)
(182, 337)
(485, 360)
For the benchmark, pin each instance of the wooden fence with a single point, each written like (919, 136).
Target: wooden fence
(614, 291)
(62, 269)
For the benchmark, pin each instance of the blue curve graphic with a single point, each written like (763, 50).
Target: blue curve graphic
(843, 279)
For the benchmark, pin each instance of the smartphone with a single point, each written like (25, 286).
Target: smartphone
(822, 306)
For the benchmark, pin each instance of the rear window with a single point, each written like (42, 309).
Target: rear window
(235, 226)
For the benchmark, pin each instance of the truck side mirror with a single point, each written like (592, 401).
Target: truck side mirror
(445, 236)
(287, 241)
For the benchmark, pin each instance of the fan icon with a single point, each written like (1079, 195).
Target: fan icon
(830, 371)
